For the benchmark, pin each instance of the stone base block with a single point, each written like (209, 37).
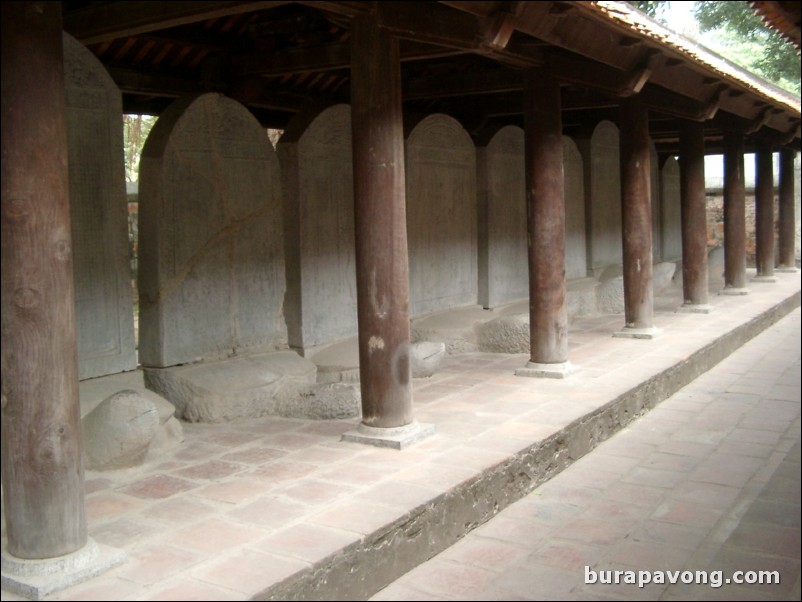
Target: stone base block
(426, 357)
(35, 579)
(734, 291)
(764, 279)
(454, 328)
(535, 370)
(610, 294)
(505, 334)
(638, 333)
(580, 297)
(119, 431)
(324, 401)
(336, 363)
(690, 308)
(242, 387)
(396, 438)
(96, 391)
(787, 270)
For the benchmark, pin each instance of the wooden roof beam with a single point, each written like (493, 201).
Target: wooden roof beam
(434, 23)
(108, 21)
(323, 58)
(149, 84)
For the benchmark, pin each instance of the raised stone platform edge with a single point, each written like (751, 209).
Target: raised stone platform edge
(362, 569)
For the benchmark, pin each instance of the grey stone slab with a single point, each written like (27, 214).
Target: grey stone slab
(317, 184)
(503, 261)
(576, 263)
(211, 267)
(671, 226)
(657, 213)
(441, 216)
(603, 198)
(99, 216)
(715, 267)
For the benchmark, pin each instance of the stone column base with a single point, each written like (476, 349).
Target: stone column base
(734, 291)
(35, 579)
(638, 333)
(397, 438)
(764, 279)
(536, 370)
(690, 308)
(787, 269)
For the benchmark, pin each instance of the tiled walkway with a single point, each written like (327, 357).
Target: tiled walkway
(241, 507)
(708, 481)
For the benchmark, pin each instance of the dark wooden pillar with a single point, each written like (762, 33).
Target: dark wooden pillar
(694, 217)
(545, 204)
(41, 437)
(787, 259)
(381, 232)
(734, 215)
(636, 213)
(764, 213)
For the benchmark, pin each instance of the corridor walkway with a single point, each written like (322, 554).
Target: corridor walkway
(708, 481)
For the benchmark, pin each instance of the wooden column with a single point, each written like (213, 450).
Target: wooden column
(787, 259)
(545, 210)
(636, 214)
(764, 213)
(694, 217)
(734, 215)
(41, 437)
(382, 272)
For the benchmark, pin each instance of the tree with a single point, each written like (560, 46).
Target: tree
(751, 43)
(135, 131)
(739, 34)
(650, 7)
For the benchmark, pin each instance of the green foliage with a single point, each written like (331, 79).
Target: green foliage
(135, 131)
(650, 7)
(746, 41)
